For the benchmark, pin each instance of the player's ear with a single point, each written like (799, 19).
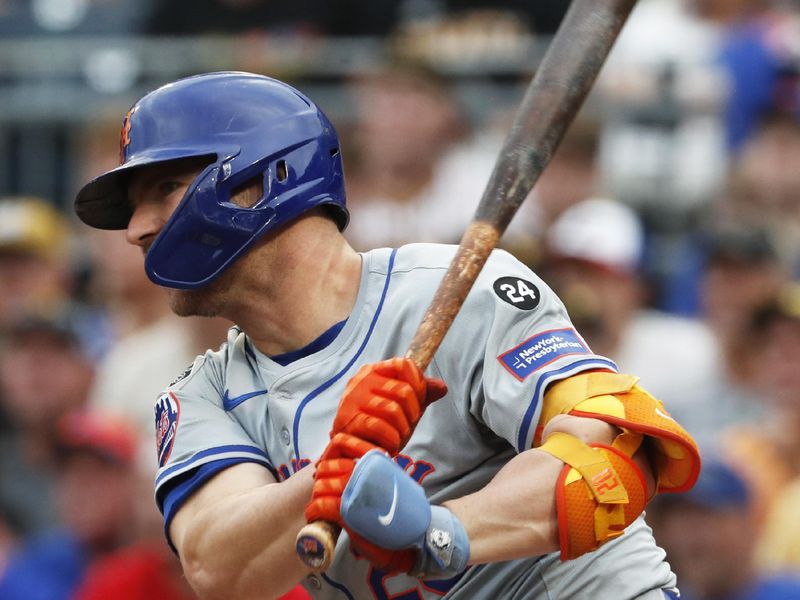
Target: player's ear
(248, 193)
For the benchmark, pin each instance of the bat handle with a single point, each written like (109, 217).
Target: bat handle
(315, 544)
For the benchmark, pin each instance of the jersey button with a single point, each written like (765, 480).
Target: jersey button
(285, 436)
(314, 582)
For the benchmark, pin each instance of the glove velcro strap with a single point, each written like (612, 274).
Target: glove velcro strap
(562, 396)
(445, 550)
(618, 400)
(599, 492)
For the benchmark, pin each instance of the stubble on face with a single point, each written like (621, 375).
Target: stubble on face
(223, 296)
(211, 300)
(208, 301)
(220, 298)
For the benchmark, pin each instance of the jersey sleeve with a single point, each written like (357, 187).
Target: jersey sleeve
(522, 340)
(195, 437)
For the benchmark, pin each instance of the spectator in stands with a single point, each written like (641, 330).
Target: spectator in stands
(45, 372)
(709, 535)
(539, 17)
(572, 174)
(94, 492)
(778, 549)
(594, 251)
(742, 271)
(145, 568)
(765, 184)
(760, 56)
(34, 269)
(405, 176)
(767, 450)
(36, 274)
(592, 258)
(418, 169)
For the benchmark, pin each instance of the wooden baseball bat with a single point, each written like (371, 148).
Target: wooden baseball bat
(553, 98)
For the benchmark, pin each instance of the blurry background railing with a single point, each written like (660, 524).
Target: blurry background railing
(53, 88)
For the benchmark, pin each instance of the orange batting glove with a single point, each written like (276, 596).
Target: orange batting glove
(333, 472)
(380, 407)
(384, 401)
(330, 480)
(391, 561)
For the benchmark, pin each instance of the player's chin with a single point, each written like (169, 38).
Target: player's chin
(193, 303)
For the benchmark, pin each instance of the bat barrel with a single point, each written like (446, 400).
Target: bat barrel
(559, 87)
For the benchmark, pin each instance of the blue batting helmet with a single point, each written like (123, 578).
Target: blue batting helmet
(249, 126)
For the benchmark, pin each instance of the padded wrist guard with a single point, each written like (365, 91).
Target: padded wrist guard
(599, 493)
(445, 549)
(606, 475)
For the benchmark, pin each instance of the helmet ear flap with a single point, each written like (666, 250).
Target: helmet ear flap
(204, 235)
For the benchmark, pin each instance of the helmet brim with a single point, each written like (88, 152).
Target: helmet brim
(103, 202)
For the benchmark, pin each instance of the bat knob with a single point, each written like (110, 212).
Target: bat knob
(315, 545)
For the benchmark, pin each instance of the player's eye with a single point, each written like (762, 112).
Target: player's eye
(165, 188)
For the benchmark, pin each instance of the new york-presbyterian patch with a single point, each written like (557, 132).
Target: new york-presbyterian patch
(168, 410)
(540, 350)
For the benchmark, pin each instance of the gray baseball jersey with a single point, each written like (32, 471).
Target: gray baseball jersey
(509, 341)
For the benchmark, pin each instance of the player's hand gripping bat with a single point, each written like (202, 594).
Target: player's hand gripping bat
(562, 82)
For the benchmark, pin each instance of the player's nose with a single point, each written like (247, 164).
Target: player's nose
(145, 224)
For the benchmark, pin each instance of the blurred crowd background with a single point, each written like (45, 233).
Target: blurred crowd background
(668, 223)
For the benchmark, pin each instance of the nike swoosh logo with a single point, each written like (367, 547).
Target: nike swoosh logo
(229, 403)
(387, 519)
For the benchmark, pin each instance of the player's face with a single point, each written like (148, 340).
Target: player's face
(154, 193)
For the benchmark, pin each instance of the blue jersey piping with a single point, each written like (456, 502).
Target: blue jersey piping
(335, 378)
(312, 347)
(258, 452)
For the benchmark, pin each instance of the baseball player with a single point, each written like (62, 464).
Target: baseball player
(528, 476)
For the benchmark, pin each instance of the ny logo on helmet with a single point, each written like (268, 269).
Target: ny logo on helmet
(125, 134)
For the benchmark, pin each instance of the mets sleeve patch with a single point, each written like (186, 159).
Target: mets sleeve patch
(540, 350)
(168, 410)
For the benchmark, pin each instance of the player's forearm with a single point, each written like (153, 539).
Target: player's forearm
(514, 516)
(243, 546)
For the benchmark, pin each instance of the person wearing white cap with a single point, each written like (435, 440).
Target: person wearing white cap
(593, 255)
(600, 231)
